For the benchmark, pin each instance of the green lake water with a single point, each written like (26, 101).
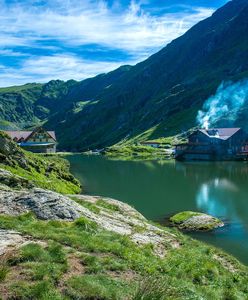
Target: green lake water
(158, 189)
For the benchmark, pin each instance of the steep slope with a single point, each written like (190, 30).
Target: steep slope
(157, 97)
(35, 170)
(33, 103)
(165, 91)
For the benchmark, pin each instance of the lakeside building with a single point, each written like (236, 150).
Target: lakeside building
(38, 141)
(214, 144)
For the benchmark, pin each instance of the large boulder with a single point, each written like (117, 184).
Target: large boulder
(44, 204)
(195, 221)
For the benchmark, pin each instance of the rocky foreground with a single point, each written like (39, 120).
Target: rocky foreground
(47, 205)
(108, 249)
(58, 245)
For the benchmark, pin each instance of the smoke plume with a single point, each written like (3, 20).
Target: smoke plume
(226, 103)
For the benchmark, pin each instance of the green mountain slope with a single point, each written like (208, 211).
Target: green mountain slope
(157, 97)
(34, 103)
(163, 93)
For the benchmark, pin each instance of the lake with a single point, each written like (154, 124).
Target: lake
(158, 189)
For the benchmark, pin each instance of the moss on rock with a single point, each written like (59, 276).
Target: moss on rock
(195, 221)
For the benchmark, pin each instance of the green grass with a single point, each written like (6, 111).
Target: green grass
(105, 257)
(49, 172)
(132, 152)
(183, 216)
(92, 207)
(107, 205)
(96, 287)
(3, 271)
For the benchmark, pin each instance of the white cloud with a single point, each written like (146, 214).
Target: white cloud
(84, 22)
(45, 68)
(75, 23)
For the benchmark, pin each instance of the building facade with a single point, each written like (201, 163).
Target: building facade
(38, 141)
(214, 144)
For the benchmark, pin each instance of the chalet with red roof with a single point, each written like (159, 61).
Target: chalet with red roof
(39, 140)
(214, 144)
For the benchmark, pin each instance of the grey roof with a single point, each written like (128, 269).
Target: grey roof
(220, 133)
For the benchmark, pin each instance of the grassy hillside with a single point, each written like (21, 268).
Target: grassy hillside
(163, 94)
(48, 172)
(32, 104)
(158, 97)
(80, 260)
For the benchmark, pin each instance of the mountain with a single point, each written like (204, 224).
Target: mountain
(34, 103)
(158, 97)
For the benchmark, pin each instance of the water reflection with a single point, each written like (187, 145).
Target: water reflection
(211, 194)
(222, 192)
(221, 188)
(158, 189)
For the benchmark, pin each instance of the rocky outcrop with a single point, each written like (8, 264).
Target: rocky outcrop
(46, 205)
(194, 221)
(123, 219)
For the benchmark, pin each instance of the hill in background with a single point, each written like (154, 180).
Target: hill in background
(158, 97)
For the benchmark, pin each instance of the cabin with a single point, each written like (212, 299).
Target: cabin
(214, 144)
(38, 141)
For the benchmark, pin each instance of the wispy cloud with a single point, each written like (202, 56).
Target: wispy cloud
(75, 24)
(45, 68)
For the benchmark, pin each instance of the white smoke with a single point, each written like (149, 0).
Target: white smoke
(228, 100)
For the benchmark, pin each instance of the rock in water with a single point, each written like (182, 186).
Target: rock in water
(194, 221)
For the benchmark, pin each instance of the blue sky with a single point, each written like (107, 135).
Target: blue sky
(75, 39)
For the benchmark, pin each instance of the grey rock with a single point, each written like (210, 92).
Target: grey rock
(195, 221)
(48, 205)
(10, 239)
(202, 222)
(44, 204)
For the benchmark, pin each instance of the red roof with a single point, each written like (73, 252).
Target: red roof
(25, 134)
(221, 133)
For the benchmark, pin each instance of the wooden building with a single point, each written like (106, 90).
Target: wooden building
(39, 140)
(214, 144)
